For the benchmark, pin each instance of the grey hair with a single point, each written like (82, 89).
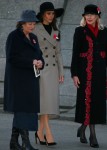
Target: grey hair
(100, 25)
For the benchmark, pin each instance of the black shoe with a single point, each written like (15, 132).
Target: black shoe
(81, 134)
(26, 145)
(78, 131)
(49, 144)
(83, 140)
(37, 137)
(14, 144)
(93, 142)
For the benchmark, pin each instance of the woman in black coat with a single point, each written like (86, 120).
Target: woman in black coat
(88, 70)
(21, 87)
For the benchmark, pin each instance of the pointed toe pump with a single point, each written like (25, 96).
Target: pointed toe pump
(49, 144)
(37, 138)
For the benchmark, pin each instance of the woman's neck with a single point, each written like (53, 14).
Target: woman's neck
(94, 29)
(46, 23)
(93, 25)
(26, 34)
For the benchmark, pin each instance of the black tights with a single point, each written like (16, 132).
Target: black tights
(92, 130)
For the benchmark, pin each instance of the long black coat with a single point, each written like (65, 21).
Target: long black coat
(21, 87)
(89, 64)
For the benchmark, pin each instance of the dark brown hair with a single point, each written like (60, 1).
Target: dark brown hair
(19, 25)
(53, 24)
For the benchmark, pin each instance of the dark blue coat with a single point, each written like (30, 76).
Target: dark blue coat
(89, 64)
(21, 87)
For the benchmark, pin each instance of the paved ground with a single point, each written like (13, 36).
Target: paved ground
(64, 130)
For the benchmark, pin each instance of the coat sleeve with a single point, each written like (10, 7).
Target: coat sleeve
(75, 53)
(59, 58)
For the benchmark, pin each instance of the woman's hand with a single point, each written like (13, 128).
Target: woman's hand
(37, 63)
(61, 79)
(76, 81)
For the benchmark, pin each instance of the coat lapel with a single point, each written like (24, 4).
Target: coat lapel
(41, 30)
(32, 43)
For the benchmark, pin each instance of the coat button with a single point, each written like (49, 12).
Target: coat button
(46, 56)
(54, 47)
(53, 55)
(46, 64)
(46, 48)
(53, 64)
(44, 39)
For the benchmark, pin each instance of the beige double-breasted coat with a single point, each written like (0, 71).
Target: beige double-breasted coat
(49, 79)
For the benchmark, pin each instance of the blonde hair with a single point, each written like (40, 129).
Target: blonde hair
(100, 25)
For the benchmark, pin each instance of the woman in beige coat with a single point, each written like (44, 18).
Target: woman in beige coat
(52, 75)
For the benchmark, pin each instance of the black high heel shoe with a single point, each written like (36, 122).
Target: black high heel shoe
(93, 142)
(49, 144)
(81, 134)
(78, 131)
(37, 137)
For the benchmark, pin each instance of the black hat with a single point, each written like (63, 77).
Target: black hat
(28, 16)
(48, 6)
(92, 9)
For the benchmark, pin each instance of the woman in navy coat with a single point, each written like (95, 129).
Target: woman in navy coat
(21, 87)
(88, 70)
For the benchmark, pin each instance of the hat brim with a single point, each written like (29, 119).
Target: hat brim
(91, 13)
(29, 20)
(58, 12)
